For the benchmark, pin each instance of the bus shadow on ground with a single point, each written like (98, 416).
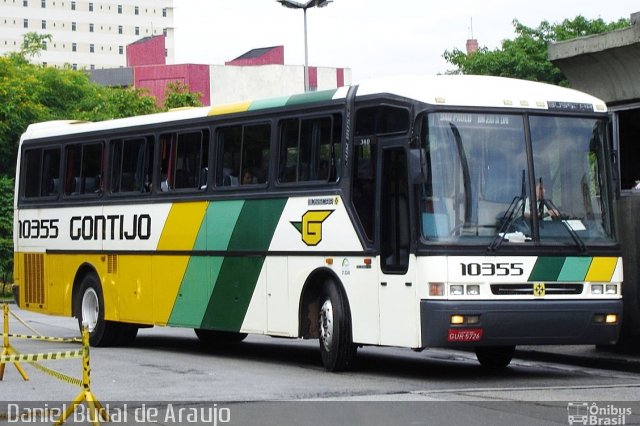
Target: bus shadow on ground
(378, 361)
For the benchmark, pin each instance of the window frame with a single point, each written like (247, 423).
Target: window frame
(338, 154)
(219, 177)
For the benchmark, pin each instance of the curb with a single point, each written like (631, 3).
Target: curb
(604, 362)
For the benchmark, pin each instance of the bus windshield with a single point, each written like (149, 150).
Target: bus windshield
(480, 188)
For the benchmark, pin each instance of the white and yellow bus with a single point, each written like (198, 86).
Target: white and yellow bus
(447, 211)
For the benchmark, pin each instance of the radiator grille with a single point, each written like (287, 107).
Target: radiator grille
(34, 278)
(112, 264)
(526, 289)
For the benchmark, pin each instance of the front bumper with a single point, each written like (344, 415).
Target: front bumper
(519, 322)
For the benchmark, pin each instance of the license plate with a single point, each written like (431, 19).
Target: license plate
(465, 335)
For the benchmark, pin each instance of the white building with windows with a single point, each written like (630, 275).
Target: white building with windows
(86, 34)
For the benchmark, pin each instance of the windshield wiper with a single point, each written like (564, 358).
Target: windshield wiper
(510, 216)
(544, 202)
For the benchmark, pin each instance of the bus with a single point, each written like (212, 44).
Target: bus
(430, 211)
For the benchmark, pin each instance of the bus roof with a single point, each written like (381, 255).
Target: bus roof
(445, 90)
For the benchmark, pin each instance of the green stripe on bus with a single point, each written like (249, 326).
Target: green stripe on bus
(305, 98)
(575, 269)
(269, 103)
(202, 273)
(547, 269)
(239, 274)
(221, 219)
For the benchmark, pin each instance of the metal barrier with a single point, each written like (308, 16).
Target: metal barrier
(11, 356)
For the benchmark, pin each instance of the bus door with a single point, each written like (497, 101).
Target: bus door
(399, 322)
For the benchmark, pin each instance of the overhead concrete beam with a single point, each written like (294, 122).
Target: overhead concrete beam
(604, 65)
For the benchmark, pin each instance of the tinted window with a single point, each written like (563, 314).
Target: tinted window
(131, 165)
(380, 120)
(184, 160)
(83, 174)
(244, 154)
(41, 172)
(309, 149)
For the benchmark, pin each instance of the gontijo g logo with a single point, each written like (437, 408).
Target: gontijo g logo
(311, 226)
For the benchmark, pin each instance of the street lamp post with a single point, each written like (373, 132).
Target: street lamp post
(304, 6)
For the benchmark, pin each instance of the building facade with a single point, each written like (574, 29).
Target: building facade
(86, 34)
(257, 74)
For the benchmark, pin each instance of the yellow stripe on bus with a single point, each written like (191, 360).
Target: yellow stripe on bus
(229, 109)
(179, 233)
(601, 269)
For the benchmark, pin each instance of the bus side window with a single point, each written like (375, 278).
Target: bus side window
(309, 149)
(243, 154)
(130, 165)
(184, 160)
(83, 173)
(41, 168)
(364, 186)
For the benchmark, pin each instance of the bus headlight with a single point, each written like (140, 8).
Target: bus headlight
(611, 289)
(473, 290)
(456, 290)
(597, 289)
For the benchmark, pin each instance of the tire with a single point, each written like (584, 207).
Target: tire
(334, 331)
(216, 338)
(495, 357)
(89, 308)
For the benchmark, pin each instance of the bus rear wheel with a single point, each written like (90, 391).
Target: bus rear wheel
(336, 345)
(495, 357)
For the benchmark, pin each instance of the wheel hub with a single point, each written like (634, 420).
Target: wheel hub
(90, 308)
(326, 325)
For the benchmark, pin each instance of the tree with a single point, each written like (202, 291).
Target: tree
(6, 231)
(177, 95)
(33, 43)
(525, 56)
(30, 94)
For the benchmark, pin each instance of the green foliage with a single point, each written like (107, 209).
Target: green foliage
(30, 94)
(177, 95)
(6, 229)
(525, 56)
(33, 43)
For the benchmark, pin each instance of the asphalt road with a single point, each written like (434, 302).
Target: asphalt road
(167, 376)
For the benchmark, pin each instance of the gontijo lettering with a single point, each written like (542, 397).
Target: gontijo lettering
(111, 227)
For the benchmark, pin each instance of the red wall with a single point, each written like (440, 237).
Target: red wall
(340, 77)
(155, 79)
(148, 51)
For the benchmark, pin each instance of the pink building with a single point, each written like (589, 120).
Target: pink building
(259, 73)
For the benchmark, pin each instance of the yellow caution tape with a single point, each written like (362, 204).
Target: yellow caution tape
(23, 322)
(42, 356)
(57, 374)
(47, 339)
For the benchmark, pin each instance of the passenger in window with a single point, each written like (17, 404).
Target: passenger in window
(247, 178)
(164, 183)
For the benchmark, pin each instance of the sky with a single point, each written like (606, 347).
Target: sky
(375, 38)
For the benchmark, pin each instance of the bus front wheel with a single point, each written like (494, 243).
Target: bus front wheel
(336, 345)
(90, 311)
(495, 357)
